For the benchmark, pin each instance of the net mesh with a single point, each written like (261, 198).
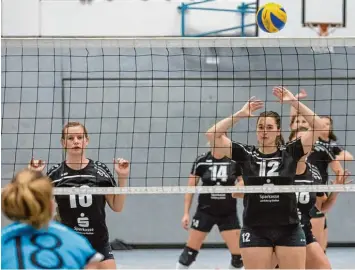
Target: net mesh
(152, 100)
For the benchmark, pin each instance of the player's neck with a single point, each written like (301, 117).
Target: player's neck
(217, 155)
(264, 149)
(76, 162)
(324, 138)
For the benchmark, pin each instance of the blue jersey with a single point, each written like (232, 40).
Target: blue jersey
(55, 247)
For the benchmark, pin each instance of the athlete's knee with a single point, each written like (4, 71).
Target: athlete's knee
(236, 261)
(187, 257)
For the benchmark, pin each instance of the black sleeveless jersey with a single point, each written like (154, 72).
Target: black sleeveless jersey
(307, 200)
(322, 154)
(278, 168)
(216, 172)
(83, 213)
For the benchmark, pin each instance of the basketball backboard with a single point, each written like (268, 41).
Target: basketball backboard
(320, 11)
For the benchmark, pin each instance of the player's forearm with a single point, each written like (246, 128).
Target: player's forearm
(313, 119)
(222, 126)
(119, 199)
(187, 202)
(328, 204)
(344, 156)
(293, 112)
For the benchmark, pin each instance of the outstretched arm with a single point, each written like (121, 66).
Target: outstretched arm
(285, 96)
(301, 95)
(293, 111)
(216, 134)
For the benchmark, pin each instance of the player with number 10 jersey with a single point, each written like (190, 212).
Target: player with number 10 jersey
(86, 213)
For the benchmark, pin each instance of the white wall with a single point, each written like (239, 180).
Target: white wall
(139, 18)
(112, 18)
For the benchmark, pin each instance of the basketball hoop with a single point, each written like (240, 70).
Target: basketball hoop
(324, 30)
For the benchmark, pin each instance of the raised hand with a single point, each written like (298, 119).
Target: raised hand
(301, 95)
(251, 106)
(121, 167)
(283, 94)
(36, 165)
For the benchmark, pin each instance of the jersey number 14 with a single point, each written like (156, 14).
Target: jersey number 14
(219, 172)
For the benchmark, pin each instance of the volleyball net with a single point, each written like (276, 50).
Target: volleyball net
(151, 101)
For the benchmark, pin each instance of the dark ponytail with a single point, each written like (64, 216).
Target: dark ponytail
(279, 140)
(331, 135)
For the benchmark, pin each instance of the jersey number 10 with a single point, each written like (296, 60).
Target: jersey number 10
(84, 200)
(219, 172)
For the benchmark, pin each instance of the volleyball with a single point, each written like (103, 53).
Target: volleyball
(271, 18)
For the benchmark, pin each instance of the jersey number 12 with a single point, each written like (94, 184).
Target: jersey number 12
(268, 168)
(219, 172)
(84, 200)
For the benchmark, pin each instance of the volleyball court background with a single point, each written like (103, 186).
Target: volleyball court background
(159, 125)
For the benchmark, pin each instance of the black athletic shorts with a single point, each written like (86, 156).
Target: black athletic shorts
(204, 222)
(272, 236)
(325, 223)
(307, 229)
(315, 213)
(105, 250)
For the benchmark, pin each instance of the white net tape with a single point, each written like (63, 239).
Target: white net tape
(163, 42)
(205, 189)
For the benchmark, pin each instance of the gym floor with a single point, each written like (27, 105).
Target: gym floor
(340, 258)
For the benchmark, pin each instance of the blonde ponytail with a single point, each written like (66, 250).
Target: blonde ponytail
(28, 199)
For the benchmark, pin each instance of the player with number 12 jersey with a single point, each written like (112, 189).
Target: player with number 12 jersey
(270, 220)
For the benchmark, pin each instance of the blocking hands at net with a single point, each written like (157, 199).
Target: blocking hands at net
(271, 222)
(33, 241)
(213, 209)
(86, 213)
